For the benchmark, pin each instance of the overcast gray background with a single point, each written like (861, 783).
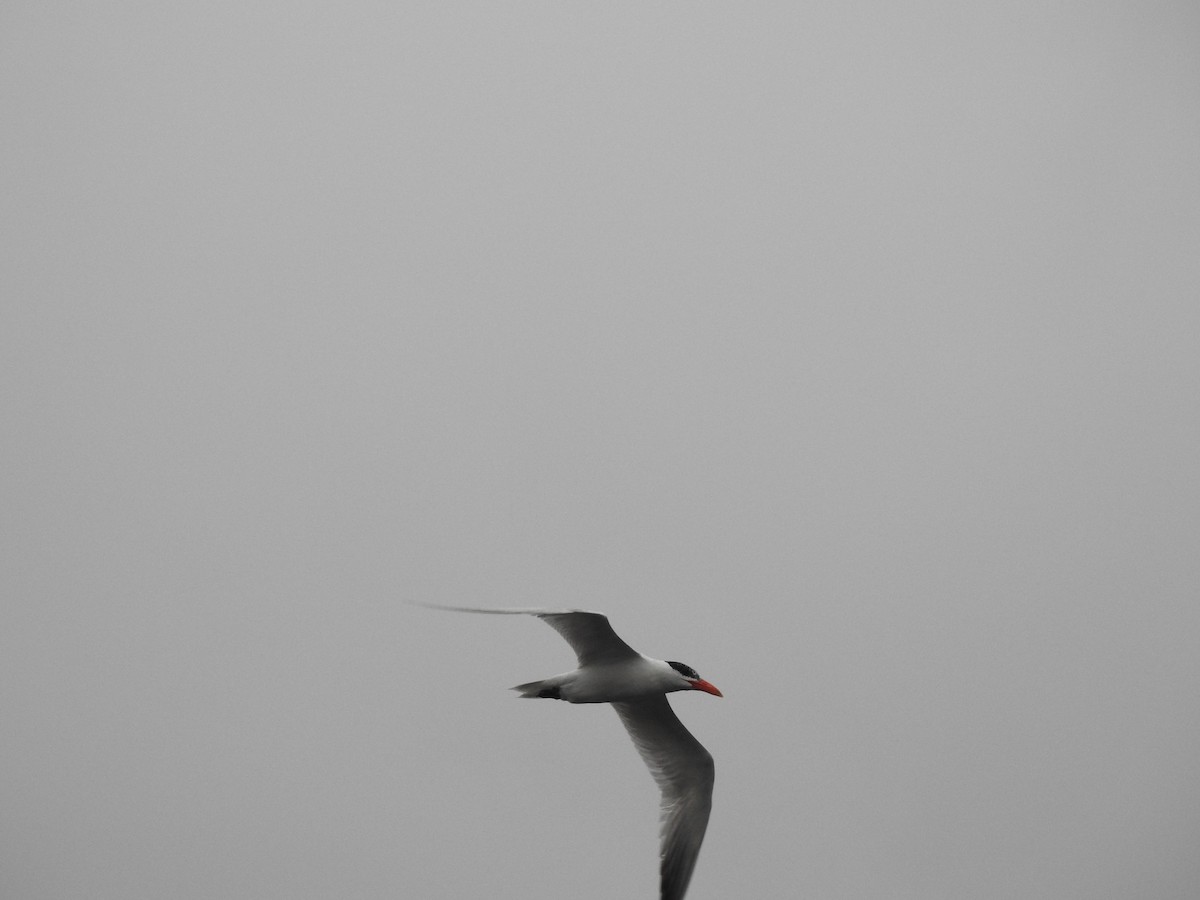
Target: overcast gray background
(849, 353)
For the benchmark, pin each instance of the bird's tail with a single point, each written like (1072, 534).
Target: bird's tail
(548, 688)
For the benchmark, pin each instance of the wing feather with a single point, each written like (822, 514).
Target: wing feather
(684, 772)
(589, 633)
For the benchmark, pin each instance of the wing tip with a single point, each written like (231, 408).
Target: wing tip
(506, 611)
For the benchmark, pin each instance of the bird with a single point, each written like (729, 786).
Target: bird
(610, 671)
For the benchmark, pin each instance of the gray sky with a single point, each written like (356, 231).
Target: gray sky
(849, 353)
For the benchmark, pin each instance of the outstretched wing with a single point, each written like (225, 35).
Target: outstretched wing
(684, 772)
(589, 633)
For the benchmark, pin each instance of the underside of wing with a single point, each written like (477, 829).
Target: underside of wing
(684, 772)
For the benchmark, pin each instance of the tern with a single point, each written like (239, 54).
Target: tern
(610, 671)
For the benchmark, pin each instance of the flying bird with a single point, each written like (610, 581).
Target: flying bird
(610, 671)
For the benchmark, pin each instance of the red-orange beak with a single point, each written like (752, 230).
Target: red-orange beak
(699, 684)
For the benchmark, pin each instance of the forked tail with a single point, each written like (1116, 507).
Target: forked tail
(547, 688)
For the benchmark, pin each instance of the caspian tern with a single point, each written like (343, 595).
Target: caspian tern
(610, 671)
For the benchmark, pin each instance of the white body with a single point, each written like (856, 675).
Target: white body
(611, 682)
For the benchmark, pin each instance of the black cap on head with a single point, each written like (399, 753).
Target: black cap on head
(685, 671)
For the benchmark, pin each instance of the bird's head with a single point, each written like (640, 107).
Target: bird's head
(690, 680)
